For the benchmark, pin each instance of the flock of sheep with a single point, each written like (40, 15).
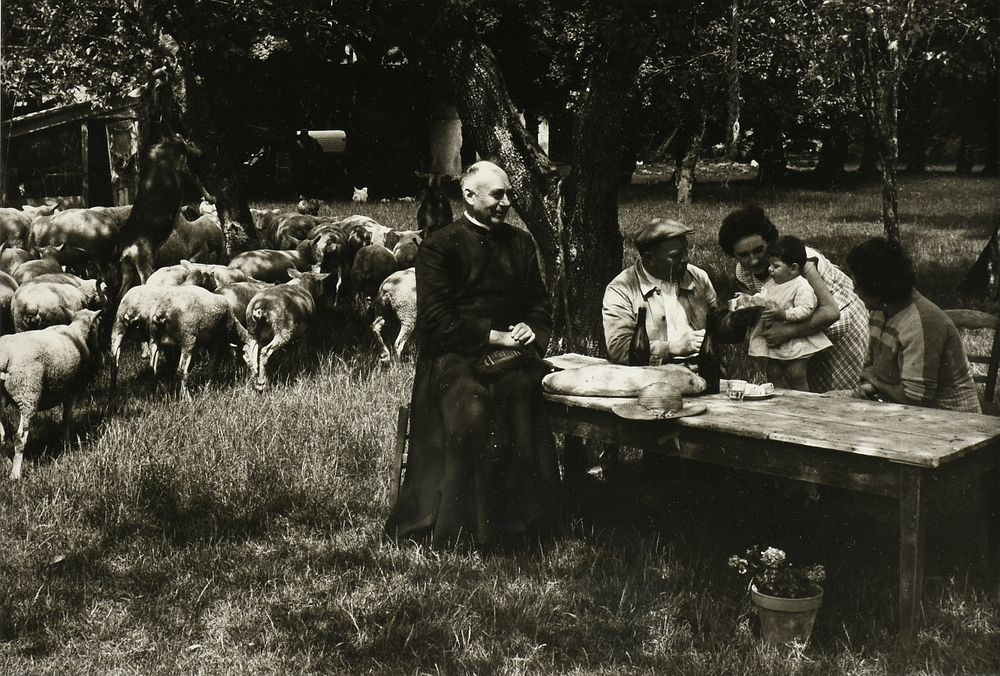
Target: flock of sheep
(53, 297)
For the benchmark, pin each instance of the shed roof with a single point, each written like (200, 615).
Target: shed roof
(31, 123)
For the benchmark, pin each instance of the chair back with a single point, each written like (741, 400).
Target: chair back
(974, 320)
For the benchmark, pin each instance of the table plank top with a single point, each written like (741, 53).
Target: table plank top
(905, 434)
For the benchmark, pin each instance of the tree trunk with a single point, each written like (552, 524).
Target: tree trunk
(833, 154)
(869, 153)
(983, 278)
(733, 71)
(592, 239)
(992, 166)
(889, 156)
(686, 174)
(915, 125)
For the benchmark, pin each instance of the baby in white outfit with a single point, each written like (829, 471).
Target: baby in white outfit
(788, 297)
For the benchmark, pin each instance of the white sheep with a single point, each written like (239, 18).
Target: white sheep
(406, 247)
(396, 298)
(278, 315)
(42, 369)
(132, 321)
(195, 274)
(36, 305)
(191, 317)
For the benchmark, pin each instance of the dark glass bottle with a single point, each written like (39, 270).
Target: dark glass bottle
(638, 348)
(709, 363)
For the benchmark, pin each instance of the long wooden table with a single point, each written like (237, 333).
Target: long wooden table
(878, 448)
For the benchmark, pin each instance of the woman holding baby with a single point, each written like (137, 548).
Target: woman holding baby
(837, 315)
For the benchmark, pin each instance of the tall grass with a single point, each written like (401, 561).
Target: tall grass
(241, 532)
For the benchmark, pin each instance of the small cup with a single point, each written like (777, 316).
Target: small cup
(736, 389)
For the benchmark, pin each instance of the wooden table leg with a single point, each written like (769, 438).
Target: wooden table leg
(574, 459)
(993, 523)
(912, 536)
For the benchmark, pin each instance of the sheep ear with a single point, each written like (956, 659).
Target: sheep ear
(294, 274)
(186, 264)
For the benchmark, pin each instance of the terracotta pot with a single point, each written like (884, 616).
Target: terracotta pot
(782, 619)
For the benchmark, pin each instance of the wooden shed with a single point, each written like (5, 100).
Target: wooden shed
(81, 153)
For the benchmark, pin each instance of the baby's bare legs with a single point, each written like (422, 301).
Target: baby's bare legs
(795, 374)
(776, 372)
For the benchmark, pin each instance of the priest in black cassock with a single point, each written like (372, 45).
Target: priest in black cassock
(482, 464)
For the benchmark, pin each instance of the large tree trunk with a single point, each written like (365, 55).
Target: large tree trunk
(592, 239)
(686, 169)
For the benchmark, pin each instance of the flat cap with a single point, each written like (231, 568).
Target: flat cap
(660, 228)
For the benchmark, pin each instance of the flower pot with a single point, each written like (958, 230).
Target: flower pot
(782, 619)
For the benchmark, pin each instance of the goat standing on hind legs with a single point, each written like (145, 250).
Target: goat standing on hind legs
(161, 191)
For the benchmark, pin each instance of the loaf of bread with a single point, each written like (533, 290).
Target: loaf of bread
(611, 380)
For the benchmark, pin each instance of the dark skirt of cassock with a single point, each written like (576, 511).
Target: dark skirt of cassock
(481, 461)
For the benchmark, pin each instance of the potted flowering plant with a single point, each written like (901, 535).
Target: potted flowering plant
(787, 596)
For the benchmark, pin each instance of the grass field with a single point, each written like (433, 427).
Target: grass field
(241, 532)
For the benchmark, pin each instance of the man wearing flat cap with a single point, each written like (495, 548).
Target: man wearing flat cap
(679, 297)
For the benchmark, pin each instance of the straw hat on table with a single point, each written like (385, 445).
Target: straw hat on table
(658, 401)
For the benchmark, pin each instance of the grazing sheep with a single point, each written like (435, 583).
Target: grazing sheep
(42, 369)
(88, 236)
(329, 255)
(132, 321)
(94, 291)
(8, 285)
(239, 295)
(371, 267)
(271, 265)
(396, 299)
(14, 227)
(278, 315)
(309, 206)
(292, 228)
(48, 263)
(15, 224)
(188, 273)
(36, 306)
(405, 249)
(12, 256)
(198, 241)
(191, 317)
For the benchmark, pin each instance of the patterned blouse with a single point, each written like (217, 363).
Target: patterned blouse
(838, 368)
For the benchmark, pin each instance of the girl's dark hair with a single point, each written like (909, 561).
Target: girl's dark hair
(882, 269)
(789, 250)
(750, 220)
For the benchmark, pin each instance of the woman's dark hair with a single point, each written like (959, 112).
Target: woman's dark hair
(750, 220)
(882, 269)
(789, 250)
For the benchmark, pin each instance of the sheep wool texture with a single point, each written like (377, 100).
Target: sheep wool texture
(481, 462)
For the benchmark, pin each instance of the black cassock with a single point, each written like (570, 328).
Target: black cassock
(481, 461)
